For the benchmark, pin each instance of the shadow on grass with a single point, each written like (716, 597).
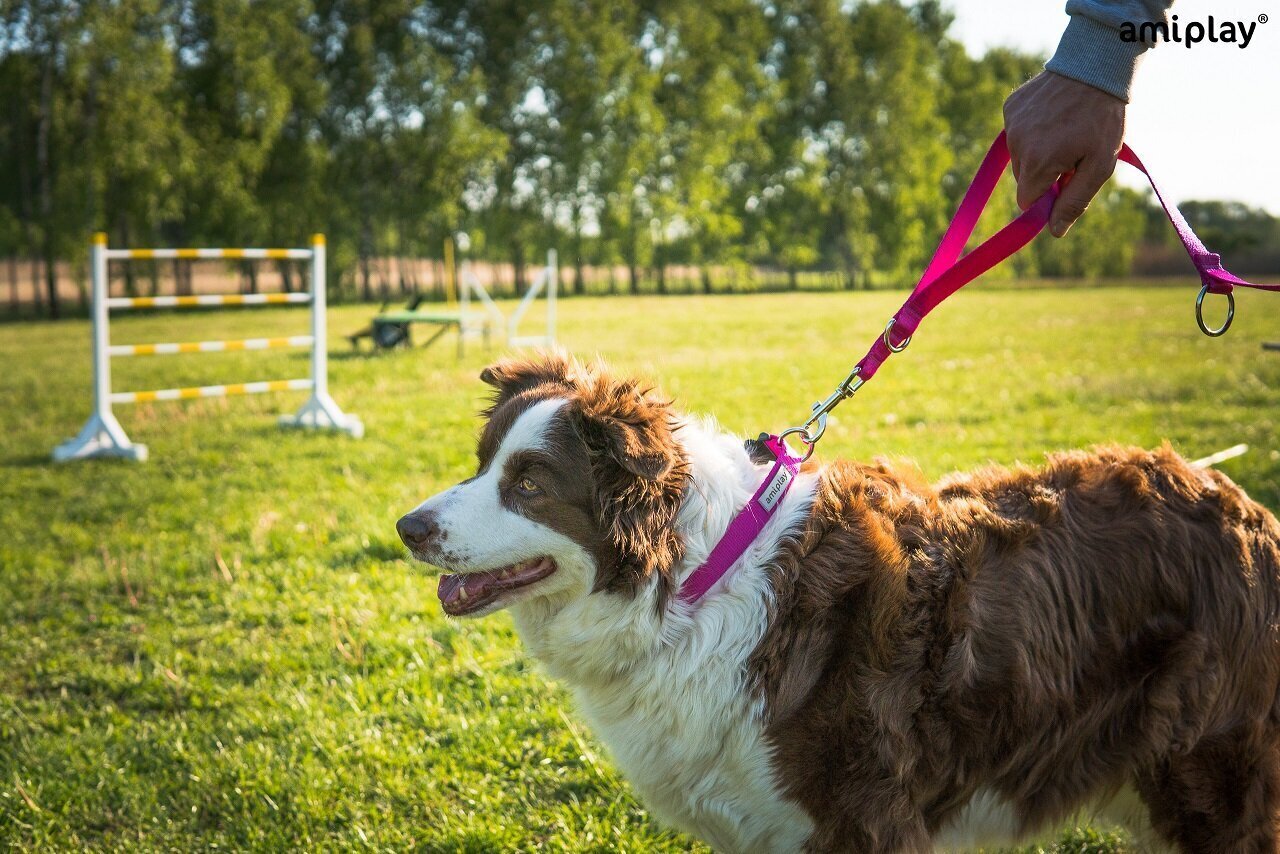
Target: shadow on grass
(401, 350)
(27, 461)
(380, 550)
(32, 461)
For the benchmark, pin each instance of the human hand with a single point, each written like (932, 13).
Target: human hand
(1059, 126)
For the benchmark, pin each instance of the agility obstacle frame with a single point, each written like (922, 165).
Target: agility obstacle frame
(473, 324)
(102, 435)
(548, 279)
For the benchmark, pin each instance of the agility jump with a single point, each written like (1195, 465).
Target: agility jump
(391, 328)
(547, 280)
(102, 435)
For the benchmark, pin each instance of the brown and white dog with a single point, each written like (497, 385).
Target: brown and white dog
(892, 665)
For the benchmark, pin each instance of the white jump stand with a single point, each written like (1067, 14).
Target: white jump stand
(321, 412)
(102, 435)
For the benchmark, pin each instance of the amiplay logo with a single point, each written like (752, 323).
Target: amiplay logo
(774, 492)
(1239, 33)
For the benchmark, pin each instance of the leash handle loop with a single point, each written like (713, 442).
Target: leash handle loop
(948, 271)
(1226, 324)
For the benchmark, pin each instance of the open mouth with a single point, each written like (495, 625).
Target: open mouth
(468, 592)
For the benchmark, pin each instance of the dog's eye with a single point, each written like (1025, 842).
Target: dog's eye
(527, 486)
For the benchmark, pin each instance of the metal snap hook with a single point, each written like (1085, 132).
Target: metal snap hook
(1226, 324)
(888, 328)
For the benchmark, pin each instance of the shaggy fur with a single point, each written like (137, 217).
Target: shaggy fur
(891, 663)
(1043, 635)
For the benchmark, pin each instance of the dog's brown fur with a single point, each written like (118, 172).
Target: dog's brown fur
(1043, 634)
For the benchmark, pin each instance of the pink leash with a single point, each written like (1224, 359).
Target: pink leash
(947, 273)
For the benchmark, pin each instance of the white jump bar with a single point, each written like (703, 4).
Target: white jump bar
(210, 391)
(207, 254)
(207, 299)
(1221, 456)
(169, 349)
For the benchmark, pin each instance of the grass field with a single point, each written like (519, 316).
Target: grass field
(225, 647)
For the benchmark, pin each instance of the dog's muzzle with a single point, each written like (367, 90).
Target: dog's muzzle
(419, 530)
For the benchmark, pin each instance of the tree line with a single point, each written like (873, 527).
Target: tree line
(798, 135)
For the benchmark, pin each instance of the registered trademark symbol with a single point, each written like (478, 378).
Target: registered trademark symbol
(1263, 18)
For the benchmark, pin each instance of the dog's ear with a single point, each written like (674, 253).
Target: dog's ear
(516, 374)
(640, 474)
(643, 448)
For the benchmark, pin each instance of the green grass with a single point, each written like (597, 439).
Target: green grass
(225, 647)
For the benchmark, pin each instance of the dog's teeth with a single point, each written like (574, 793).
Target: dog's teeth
(462, 593)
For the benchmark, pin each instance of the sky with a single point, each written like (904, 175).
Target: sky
(1205, 119)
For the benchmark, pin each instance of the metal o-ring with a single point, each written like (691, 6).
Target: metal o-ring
(1226, 324)
(808, 441)
(888, 328)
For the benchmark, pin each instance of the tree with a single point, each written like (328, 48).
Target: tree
(796, 133)
(1101, 244)
(1228, 227)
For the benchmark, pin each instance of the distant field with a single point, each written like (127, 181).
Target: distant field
(225, 647)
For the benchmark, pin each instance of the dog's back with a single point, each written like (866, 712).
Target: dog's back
(1033, 639)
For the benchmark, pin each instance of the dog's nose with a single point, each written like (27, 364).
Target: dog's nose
(418, 529)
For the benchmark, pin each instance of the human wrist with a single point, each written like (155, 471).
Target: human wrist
(1094, 54)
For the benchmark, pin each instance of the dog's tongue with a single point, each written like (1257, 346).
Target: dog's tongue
(450, 587)
(478, 584)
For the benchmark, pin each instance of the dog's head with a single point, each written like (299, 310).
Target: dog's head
(578, 484)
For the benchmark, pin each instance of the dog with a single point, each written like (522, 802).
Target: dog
(891, 666)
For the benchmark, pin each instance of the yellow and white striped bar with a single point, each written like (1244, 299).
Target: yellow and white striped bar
(208, 346)
(206, 299)
(210, 391)
(208, 254)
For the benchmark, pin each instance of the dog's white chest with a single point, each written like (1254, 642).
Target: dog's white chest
(698, 760)
(682, 726)
(669, 696)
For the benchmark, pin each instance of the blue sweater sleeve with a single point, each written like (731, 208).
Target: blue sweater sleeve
(1091, 49)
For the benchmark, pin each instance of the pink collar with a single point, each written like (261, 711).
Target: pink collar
(747, 525)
